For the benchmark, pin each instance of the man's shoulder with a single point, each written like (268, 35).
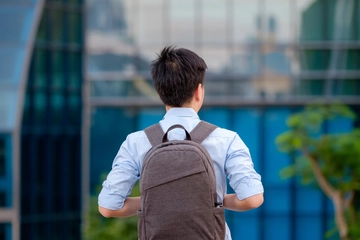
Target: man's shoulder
(223, 133)
(136, 135)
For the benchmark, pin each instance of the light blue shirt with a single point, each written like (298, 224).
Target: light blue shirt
(230, 155)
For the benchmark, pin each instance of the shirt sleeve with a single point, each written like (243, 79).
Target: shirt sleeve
(121, 179)
(239, 167)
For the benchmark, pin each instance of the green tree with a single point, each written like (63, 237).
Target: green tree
(97, 227)
(329, 160)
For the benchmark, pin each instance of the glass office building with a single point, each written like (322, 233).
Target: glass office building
(266, 59)
(41, 52)
(51, 126)
(18, 24)
(63, 116)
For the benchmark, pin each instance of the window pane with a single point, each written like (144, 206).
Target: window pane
(277, 61)
(275, 82)
(57, 107)
(147, 54)
(334, 59)
(27, 110)
(277, 225)
(43, 30)
(314, 59)
(57, 81)
(214, 28)
(216, 58)
(75, 66)
(244, 226)
(74, 27)
(111, 88)
(2, 199)
(107, 17)
(2, 158)
(245, 28)
(277, 21)
(182, 22)
(16, 31)
(340, 19)
(311, 19)
(5, 231)
(308, 87)
(74, 115)
(17, 1)
(57, 20)
(39, 107)
(74, 1)
(310, 226)
(5, 172)
(347, 87)
(9, 101)
(327, 20)
(111, 62)
(244, 61)
(357, 20)
(41, 66)
(11, 63)
(353, 58)
(151, 22)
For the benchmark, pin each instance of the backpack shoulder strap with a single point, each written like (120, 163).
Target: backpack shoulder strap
(155, 134)
(202, 131)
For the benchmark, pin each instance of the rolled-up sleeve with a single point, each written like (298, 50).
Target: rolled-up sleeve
(121, 179)
(239, 167)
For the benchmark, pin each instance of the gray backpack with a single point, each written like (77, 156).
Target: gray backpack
(178, 188)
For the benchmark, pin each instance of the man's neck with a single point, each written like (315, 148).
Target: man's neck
(167, 107)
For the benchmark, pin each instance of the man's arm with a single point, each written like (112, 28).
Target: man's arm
(232, 202)
(121, 179)
(243, 178)
(131, 205)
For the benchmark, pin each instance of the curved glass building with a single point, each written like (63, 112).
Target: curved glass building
(41, 51)
(19, 20)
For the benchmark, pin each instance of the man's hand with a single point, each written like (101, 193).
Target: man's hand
(231, 202)
(131, 205)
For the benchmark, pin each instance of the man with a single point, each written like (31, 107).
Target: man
(178, 76)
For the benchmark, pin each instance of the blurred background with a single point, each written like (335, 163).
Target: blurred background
(75, 80)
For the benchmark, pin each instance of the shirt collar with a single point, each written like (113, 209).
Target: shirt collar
(181, 112)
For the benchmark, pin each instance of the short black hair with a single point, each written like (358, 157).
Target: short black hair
(176, 73)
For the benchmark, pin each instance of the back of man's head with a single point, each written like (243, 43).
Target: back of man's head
(176, 74)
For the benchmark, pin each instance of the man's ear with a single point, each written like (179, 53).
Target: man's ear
(198, 92)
